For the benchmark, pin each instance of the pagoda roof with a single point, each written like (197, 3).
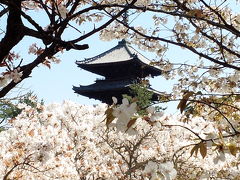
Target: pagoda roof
(104, 90)
(103, 85)
(116, 60)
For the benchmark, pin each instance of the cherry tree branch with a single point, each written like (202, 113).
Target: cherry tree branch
(3, 12)
(106, 24)
(220, 44)
(192, 49)
(216, 109)
(14, 32)
(27, 69)
(226, 25)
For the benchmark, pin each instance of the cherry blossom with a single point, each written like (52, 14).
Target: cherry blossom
(68, 140)
(16, 75)
(62, 11)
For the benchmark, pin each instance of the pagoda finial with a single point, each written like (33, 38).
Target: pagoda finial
(122, 42)
(125, 17)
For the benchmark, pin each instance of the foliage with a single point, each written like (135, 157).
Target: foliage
(1, 128)
(141, 95)
(30, 99)
(10, 108)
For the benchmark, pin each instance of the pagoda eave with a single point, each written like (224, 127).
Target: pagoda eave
(105, 91)
(104, 96)
(122, 69)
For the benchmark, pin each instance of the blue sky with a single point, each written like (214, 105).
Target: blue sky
(55, 84)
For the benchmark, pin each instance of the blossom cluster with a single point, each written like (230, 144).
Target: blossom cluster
(14, 75)
(69, 141)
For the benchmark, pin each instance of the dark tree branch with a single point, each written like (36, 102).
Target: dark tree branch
(5, 177)
(30, 20)
(5, 2)
(220, 112)
(220, 44)
(106, 24)
(194, 50)
(74, 7)
(227, 26)
(48, 39)
(48, 52)
(27, 69)
(66, 21)
(14, 32)
(4, 11)
(45, 7)
(172, 125)
(182, 14)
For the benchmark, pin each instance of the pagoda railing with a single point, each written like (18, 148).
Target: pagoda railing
(85, 61)
(100, 79)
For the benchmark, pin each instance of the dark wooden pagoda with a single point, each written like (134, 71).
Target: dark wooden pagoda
(121, 66)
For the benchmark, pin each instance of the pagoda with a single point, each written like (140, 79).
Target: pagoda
(121, 66)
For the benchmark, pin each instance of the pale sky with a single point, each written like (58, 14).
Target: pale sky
(55, 84)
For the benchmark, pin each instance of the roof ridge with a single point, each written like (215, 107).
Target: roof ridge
(118, 46)
(129, 51)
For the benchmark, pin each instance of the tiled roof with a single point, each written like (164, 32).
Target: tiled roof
(104, 86)
(122, 52)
